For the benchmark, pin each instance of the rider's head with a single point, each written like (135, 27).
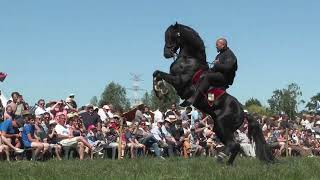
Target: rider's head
(221, 44)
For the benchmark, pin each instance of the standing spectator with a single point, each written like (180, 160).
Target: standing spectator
(13, 103)
(104, 113)
(91, 118)
(71, 100)
(58, 107)
(147, 115)
(195, 116)
(139, 114)
(158, 116)
(185, 114)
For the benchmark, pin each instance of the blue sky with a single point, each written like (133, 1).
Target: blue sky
(53, 48)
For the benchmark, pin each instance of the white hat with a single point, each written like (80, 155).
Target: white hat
(128, 123)
(318, 123)
(106, 107)
(245, 111)
(52, 122)
(160, 121)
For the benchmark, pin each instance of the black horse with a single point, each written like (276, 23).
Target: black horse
(185, 71)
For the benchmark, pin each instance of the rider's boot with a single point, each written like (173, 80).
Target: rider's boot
(191, 100)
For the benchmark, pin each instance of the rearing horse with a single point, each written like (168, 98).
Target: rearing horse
(226, 111)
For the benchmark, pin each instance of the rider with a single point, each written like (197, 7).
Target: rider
(221, 75)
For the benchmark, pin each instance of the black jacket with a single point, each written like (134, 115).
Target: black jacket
(227, 65)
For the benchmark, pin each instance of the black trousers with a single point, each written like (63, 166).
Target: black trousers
(215, 79)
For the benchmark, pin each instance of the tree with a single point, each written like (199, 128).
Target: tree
(253, 101)
(312, 104)
(116, 95)
(94, 101)
(165, 102)
(286, 100)
(146, 99)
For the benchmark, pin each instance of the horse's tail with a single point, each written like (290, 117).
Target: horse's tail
(263, 150)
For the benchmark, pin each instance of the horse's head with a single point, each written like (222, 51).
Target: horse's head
(172, 40)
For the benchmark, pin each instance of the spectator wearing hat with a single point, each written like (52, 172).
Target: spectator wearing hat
(10, 135)
(91, 118)
(58, 107)
(104, 113)
(170, 140)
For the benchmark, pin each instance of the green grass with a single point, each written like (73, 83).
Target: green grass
(198, 168)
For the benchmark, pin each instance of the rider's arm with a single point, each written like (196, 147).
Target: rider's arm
(227, 66)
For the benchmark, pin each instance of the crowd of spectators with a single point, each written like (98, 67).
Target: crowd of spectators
(60, 129)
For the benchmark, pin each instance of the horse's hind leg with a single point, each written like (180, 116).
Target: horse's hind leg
(234, 149)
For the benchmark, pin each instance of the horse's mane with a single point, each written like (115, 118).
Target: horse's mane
(193, 38)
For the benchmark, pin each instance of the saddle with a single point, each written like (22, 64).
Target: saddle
(213, 93)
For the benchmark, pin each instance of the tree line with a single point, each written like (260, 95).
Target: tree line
(284, 100)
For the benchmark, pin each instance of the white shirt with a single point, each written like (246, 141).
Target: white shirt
(102, 115)
(156, 133)
(165, 132)
(39, 111)
(61, 130)
(157, 116)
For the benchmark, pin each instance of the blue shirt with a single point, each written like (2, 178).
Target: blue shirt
(27, 129)
(194, 116)
(7, 127)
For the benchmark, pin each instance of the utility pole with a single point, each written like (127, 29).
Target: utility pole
(136, 79)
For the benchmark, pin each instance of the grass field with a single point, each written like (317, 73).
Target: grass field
(198, 168)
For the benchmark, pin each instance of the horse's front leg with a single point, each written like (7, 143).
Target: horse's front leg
(171, 79)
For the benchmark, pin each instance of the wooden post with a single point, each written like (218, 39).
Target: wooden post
(287, 142)
(120, 138)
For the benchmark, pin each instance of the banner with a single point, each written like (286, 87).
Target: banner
(2, 76)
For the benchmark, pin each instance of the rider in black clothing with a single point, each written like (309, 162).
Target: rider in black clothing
(221, 75)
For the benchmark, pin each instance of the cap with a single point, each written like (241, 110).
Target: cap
(106, 107)
(52, 122)
(91, 127)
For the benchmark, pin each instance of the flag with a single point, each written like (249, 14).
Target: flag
(2, 76)
(318, 106)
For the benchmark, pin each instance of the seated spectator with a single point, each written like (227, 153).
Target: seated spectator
(133, 143)
(245, 144)
(4, 149)
(40, 108)
(10, 136)
(147, 114)
(170, 140)
(58, 107)
(112, 138)
(67, 139)
(30, 141)
(52, 139)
